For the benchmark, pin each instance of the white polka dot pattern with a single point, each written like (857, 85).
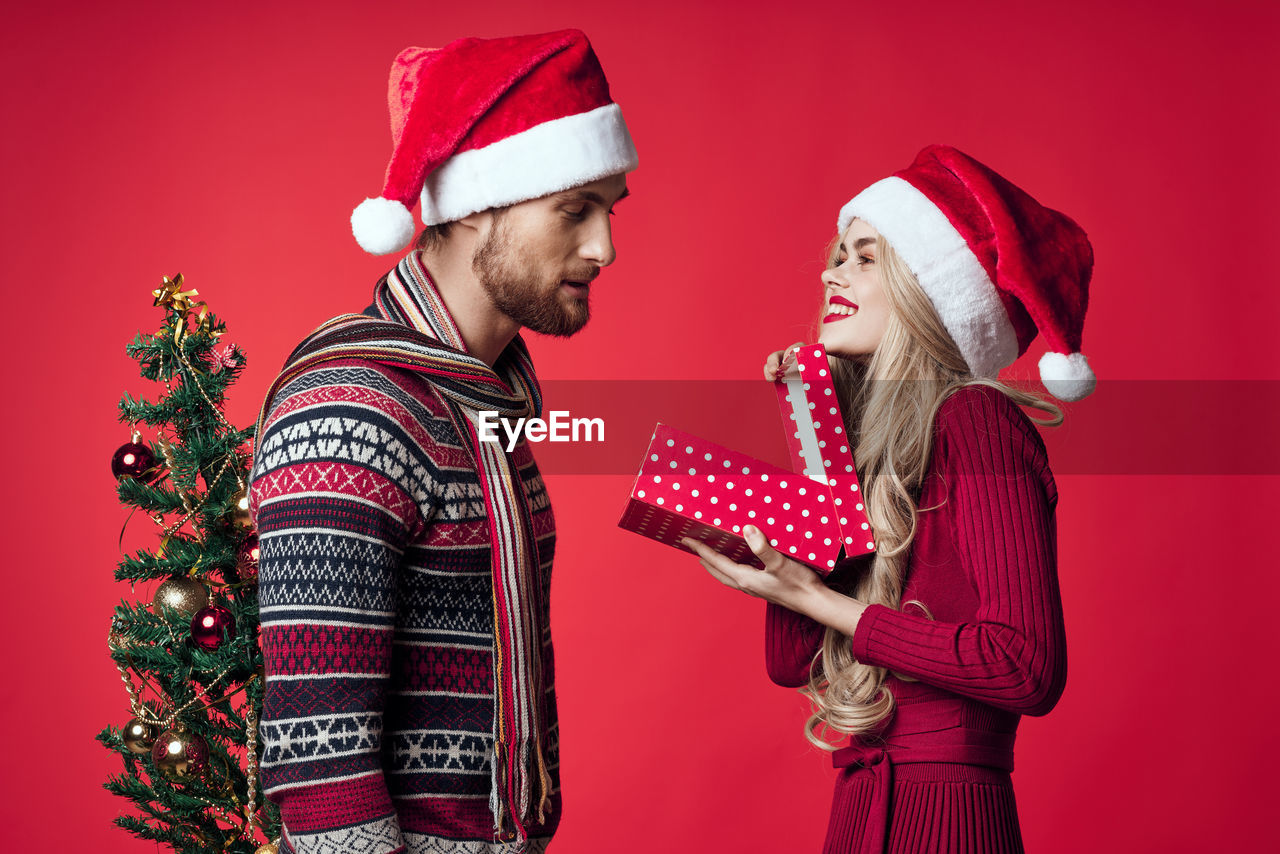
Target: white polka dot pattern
(689, 487)
(666, 505)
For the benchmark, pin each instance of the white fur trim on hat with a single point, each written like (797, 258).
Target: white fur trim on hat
(546, 158)
(382, 226)
(1067, 377)
(948, 271)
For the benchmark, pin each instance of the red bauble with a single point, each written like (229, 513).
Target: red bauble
(209, 624)
(135, 460)
(247, 559)
(179, 756)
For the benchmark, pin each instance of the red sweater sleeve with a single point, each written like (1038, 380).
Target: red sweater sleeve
(1000, 502)
(791, 641)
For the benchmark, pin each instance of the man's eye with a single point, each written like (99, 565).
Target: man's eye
(575, 213)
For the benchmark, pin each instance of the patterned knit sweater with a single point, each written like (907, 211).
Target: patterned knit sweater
(377, 612)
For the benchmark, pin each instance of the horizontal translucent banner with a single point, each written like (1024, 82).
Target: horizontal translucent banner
(1174, 427)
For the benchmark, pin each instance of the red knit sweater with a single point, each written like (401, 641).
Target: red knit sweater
(984, 564)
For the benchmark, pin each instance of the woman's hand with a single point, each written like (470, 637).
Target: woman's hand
(776, 365)
(783, 581)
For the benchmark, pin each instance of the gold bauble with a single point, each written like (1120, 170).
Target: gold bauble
(269, 848)
(184, 595)
(180, 755)
(240, 510)
(138, 736)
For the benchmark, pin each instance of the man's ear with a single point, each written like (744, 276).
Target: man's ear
(479, 222)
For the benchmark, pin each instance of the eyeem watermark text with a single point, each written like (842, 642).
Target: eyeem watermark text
(559, 427)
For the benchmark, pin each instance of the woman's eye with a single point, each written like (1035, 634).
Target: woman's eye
(865, 259)
(839, 259)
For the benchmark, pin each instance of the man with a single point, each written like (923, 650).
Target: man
(405, 564)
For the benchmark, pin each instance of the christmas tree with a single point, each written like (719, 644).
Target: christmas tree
(189, 658)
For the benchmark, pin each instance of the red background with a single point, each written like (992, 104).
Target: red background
(230, 141)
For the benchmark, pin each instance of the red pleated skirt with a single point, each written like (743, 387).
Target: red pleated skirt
(934, 809)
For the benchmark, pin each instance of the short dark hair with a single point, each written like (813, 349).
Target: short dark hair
(433, 235)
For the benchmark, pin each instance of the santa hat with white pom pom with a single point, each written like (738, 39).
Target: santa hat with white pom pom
(483, 123)
(997, 265)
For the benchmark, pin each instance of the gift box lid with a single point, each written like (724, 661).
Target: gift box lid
(819, 444)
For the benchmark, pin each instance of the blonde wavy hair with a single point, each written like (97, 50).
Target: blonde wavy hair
(889, 402)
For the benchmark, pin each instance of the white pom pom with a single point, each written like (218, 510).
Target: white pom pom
(382, 226)
(1067, 377)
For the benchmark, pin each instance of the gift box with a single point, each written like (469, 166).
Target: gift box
(690, 487)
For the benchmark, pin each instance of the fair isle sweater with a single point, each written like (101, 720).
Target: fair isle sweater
(377, 613)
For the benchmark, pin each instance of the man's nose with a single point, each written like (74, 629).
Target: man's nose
(598, 246)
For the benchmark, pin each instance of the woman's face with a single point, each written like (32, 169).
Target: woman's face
(855, 310)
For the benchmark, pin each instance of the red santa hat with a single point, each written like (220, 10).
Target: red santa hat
(483, 123)
(997, 265)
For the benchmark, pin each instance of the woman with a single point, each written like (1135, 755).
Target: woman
(927, 653)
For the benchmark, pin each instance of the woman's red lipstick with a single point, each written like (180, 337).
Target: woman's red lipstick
(837, 300)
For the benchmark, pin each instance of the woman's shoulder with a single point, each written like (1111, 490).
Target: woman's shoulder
(983, 406)
(982, 419)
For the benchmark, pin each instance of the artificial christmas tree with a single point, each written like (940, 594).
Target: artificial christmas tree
(188, 654)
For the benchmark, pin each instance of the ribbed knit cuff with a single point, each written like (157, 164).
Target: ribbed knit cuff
(861, 640)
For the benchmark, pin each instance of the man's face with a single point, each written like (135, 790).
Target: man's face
(539, 257)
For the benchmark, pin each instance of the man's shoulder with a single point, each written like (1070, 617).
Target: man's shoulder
(358, 413)
(360, 393)
(344, 382)
(350, 351)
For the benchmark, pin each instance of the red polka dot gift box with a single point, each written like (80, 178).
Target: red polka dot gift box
(690, 487)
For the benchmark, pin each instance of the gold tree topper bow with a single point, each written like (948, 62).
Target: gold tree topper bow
(171, 296)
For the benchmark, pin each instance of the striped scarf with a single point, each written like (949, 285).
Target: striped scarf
(409, 327)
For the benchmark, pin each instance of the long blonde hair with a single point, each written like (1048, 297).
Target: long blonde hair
(890, 403)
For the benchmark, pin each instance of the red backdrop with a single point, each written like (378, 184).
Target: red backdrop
(231, 143)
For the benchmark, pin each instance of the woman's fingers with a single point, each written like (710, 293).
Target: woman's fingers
(708, 555)
(778, 361)
(715, 573)
(759, 544)
(771, 365)
(720, 567)
(783, 581)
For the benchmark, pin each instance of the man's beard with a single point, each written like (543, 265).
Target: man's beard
(519, 294)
